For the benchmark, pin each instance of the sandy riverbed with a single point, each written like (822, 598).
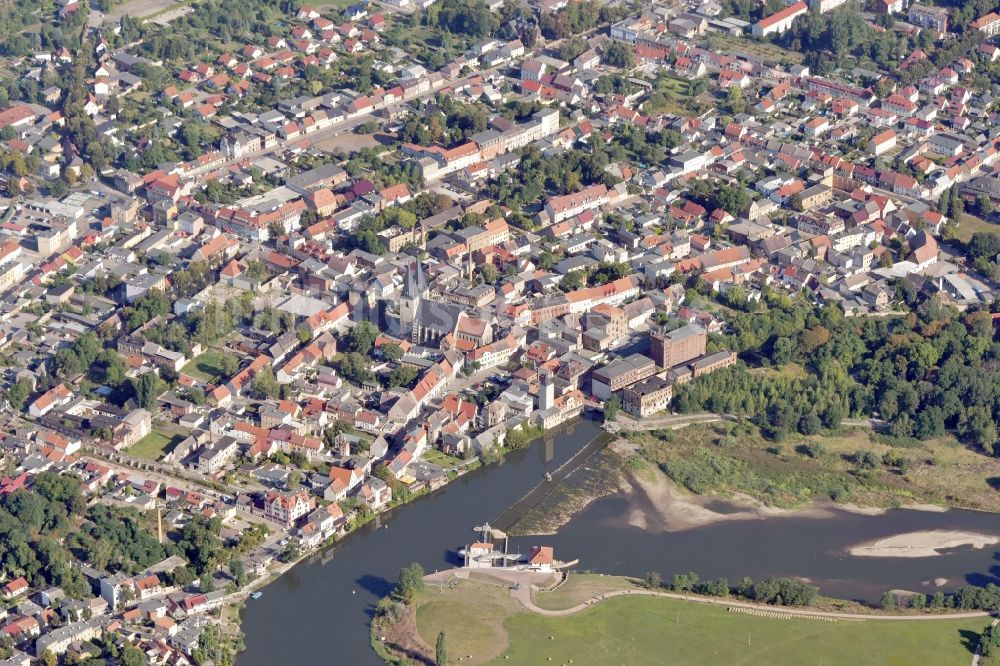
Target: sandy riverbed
(658, 504)
(922, 544)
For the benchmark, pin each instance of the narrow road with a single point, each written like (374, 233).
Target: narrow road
(627, 422)
(673, 421)
(523, 594)
(341, 126)
(522, 582)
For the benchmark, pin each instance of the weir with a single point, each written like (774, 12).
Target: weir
(514, 512)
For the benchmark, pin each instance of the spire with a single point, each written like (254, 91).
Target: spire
(421, 280)
(410, 291)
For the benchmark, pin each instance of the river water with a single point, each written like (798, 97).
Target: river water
(319, 612)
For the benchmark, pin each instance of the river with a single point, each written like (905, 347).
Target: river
(319, 612)
(802, 547)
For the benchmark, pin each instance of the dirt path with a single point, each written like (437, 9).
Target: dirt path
(523, 594)
(681, 420)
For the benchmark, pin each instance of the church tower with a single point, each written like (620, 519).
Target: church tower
(409, 303)
(546, 392)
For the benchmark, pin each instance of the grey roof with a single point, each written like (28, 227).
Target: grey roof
(438, 316)
(649, 385)
(570, 264)
(309, 179)
(685, 332)
(621, 366)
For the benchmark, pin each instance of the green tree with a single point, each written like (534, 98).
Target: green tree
(888, 601)
(612, 406)
(489, 273)
(146, 388)
(410, 582)
(354, 368)
(18, 394)
(983, 244)
(132, 656)
(572, 281)
(618, 54)
(832, 415)
(391, 351)
(984, 206)
(362, 337)
(368, 240)
(441, 651)
(264, 383)
(809, 423)
(990, 642)
(404, 375)
(228, 365)
(735, 101)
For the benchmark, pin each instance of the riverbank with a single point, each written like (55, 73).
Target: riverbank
(593, 619)
(713, 472)
(852, 467)
(658, 504)
(235, 602)
(357, 571)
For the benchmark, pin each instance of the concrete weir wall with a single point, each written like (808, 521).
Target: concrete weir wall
(514, 512)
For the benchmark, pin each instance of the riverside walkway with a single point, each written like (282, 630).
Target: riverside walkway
(521, 584)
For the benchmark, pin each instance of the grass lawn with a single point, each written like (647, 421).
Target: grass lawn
(724, 43)
(715, 458)
(484, 625)
(578, 588)
(676, 93)
(472, 615)
(789, 370)
(644, 630)
(438, 458)
(154, 445)
(970, 224)
(206, 367)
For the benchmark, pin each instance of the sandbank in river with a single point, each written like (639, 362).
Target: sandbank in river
(922, 544)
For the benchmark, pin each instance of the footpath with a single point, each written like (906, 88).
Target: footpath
(521, 584)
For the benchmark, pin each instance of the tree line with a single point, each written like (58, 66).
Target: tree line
(775, 591)
(926, 372)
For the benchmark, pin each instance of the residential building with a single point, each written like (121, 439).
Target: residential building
(780, 21)
(925, 16)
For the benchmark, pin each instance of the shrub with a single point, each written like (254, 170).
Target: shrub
(783, 592)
